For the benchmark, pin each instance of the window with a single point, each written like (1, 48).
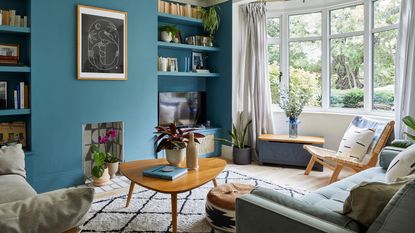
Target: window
(273, 31)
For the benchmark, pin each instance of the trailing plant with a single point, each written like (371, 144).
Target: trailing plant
(173, 138)
(210, 19)
(238, 134)
(170, 28)
(102, 157)
(293, 101)
(410, 122)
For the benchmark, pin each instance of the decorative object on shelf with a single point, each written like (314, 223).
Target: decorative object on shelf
(192, 161)
(169, 33)
(3, 95)
(173, 65)
(9, 54)
(197, 61)
(163, 64)
(173, 140)
(410, 122)
(293, 102)
(13, 132)
(21, 96)
(199, 41)
(9, 18)
(241, 153)
(211, 21)
(168, 64)
(102, 44)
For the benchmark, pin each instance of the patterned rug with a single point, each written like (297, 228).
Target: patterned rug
(149, 211)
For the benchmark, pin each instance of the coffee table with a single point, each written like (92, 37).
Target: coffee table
(209, 168)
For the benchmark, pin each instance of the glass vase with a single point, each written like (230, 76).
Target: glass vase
(293, 127)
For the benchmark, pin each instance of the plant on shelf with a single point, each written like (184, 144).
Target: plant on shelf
(410, 122)
(241, 152)
(210, 20)
(168, 33)
(174, 140)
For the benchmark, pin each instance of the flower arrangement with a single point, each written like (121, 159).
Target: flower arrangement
(101, 158)
(293, 102)
(173, 138)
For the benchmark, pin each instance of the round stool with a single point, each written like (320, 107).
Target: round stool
(220, 205)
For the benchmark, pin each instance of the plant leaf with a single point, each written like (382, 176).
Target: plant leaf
(409, 121)
(412, 137)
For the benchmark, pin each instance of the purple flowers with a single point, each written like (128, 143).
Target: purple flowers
(109, 136)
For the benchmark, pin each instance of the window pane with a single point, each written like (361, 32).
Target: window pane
(347, 72)
(305, 25)
(305, 69)
(274, 71)
(348, 19)
(273, 28)
(384, 70)
(387, 12)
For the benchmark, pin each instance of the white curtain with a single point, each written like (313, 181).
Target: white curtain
(405, 67)
(252, 91)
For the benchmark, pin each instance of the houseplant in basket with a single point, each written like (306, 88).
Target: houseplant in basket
(210, 21)
(241, 152)
(174, 140)
(293, 102)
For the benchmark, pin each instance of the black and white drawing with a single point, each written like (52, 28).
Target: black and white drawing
(102, 44)
(197, 61)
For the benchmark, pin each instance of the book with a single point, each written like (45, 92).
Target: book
(165, 172)
(26, 96)
(15, 99)
(21, 95)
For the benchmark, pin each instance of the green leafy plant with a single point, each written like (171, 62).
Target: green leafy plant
(99, 163)
(111, 158)
(410, 122)
(173, 138)
(238, 134)
(293, 101)
(169, 28)
(210, 20)
(102, 157)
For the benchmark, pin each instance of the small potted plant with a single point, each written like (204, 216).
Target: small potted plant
(241, 153)
(100, 175)
(168, 33)
(174, 140)
(210, 21)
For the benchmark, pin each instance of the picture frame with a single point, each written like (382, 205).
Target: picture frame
(173, 65)
(197, 61)
(9, 54)
(102, 44)
(13, 132)
(3, 95)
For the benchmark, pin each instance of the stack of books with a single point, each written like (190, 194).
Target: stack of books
(165, 172)
(21, 96)
(173, 8)
(9, 18)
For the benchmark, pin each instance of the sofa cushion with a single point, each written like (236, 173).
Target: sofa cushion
(12, 160)
(355, 143)
(402, 165)
(387, 155)
(14, 188)
(56, 211)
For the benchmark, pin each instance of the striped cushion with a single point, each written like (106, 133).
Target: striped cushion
(402, 165)
(355, 143)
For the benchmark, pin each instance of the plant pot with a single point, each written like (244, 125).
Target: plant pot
(103, 180)
(241, 156)
(113, 169)
(166, 36)
(175, 157)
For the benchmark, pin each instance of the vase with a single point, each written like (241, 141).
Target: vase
(166, 36)
(293, 127)
(191, 154)
(175, 157)
(112, 169)
(241, 156)
(103, 180)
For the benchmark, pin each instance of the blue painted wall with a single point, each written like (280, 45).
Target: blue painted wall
(61, 104)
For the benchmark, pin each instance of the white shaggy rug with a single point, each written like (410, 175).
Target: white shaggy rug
(149, 211)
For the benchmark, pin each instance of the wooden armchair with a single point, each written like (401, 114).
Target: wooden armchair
(329, 158)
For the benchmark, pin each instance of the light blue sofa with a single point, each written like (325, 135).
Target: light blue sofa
(265, 210)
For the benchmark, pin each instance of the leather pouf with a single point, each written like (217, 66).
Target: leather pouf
(220, 205)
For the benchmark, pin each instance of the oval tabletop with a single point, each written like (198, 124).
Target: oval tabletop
(209, 168)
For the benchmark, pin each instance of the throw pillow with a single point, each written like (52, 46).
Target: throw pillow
(367, 200)
(12, 160)
(355, 143)
(402, 165)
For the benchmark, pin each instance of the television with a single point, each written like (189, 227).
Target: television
(186, 109)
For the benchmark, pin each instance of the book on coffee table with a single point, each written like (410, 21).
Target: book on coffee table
(165, 172)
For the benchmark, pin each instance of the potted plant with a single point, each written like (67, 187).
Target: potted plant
(174, 140)
(210, 21)
(100, 175)
(241, 153)
(168, 32)
(293, 102)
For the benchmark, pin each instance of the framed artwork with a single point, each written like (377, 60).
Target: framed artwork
(9, 54)
(3, 95)
(102, 44)
(197, 61)
(173, 65)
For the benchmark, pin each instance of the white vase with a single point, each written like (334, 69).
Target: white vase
(112, 169)
(163, 64)
(191, 153)
(175, 157)
(103, 180)
(166, 36)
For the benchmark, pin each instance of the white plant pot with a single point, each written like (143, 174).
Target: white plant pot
(112, 169)
(175, 157)
(166, 36)
(103, 180)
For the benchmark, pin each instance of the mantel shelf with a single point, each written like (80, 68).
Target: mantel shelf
(162, 44)
(11, 29)
(175, 19)
(14, 112)
(187, 74)
(19, 69)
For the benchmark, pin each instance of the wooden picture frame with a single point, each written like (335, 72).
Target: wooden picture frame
(9, 54)
(102, 38)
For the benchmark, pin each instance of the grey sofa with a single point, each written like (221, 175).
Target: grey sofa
(265, 210)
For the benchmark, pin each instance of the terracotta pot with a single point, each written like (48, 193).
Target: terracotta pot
(175, 157)
(103, 180)
(113, 169)
(166, 36)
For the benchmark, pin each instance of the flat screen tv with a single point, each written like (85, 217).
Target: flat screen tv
(186, 109)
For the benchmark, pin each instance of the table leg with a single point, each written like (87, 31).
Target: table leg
(174, 212)
(130, 193)
(215, 183)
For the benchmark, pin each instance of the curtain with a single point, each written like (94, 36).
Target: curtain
(253, 92)
(405, 67)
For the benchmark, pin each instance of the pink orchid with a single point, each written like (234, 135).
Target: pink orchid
(102, 140)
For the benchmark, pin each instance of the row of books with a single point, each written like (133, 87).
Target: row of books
(9, 18)
(21, 96)
(186, 10)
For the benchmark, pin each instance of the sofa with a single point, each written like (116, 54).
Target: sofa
(23, 210)
(265, 210)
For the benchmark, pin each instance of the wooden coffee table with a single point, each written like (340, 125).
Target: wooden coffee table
(209, 168)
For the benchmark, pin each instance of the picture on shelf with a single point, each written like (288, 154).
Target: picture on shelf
(197, 61)
(102, 44)
(13, 132)
(9, 53)
(173, 65)
(3, 95)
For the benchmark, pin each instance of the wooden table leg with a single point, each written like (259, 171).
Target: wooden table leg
(174, 212)
(130, 193)
(214, 182)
